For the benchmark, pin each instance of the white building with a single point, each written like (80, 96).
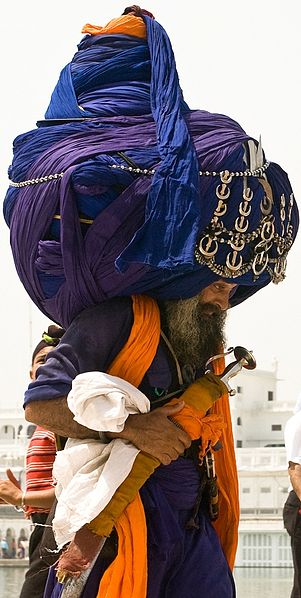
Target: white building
(258, 417)
(258, 426)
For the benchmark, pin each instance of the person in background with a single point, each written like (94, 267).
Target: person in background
(4, 548)
(292, 507)
(37, 499)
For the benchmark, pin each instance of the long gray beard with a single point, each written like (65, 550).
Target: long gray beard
(194, 333)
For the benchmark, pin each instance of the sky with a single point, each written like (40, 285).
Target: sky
(236, 58)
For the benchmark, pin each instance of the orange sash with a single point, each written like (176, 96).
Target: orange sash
(226, 525)
(127, 575)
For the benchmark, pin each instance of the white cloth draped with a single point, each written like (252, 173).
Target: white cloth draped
(88, 472)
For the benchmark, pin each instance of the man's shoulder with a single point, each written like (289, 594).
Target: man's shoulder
(111, 308)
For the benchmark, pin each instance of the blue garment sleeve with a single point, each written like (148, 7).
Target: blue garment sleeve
(91, 343)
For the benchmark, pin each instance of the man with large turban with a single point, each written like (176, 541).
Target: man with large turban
(135, 223)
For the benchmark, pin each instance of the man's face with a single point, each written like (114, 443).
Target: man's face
(218, 293)
(195, 326)
(39, 360)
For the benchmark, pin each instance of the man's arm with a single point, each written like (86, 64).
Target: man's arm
(55, 415)
(294, 471)
(152, 432)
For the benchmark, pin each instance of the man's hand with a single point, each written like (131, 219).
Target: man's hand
(10, 491)
(155, 434)
(294, 471)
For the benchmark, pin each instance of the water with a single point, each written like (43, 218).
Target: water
(250, 583)
(11, 580)
(263, 583)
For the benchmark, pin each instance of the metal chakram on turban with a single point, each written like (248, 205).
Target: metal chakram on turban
(122, 189)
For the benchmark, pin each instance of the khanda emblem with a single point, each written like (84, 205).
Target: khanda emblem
(268, 230)
(279, 271)
(262, 248)
(222, 192)
(266, 205)
(233, 262)
(221, 208)
(208, 246)
(260, 263)
(244, 206)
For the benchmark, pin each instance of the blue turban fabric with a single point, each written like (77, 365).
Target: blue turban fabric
(101, 229)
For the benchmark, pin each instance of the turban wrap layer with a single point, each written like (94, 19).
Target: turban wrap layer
(99, 229)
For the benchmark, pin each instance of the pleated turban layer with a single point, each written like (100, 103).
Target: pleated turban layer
(107, 197)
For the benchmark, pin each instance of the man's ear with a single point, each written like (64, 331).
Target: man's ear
(31, 374)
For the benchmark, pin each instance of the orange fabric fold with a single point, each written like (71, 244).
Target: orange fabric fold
(197, 425)
(127, 576)
(126, 25)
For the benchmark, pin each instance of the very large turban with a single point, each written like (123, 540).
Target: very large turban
(122, 189)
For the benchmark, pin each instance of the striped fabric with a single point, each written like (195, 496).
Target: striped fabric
(40, 457)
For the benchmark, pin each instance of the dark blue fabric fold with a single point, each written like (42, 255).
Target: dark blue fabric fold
(173, 200)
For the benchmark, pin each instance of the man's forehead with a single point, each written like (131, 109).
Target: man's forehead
(225, 283)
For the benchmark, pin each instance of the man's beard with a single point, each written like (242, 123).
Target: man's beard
(195, 330)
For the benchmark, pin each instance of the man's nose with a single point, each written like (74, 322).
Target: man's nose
(222, 300)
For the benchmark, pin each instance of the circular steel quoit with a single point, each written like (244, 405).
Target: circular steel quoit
(247, 357)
